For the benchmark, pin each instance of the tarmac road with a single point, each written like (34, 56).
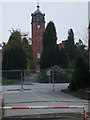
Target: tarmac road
(36, 94)
(57, 116)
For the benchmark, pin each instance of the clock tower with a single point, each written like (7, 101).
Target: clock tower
(38, 27)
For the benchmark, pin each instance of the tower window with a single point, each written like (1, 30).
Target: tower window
(37, 19)
(38, 55)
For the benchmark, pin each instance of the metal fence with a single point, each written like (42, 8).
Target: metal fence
(25, 77)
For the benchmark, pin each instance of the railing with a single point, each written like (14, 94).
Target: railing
(47, 107)
(23, 77)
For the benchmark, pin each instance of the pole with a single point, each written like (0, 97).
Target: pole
(53, 81)
(84, 113)
(49, 75)
(21, 80)
(24, 75)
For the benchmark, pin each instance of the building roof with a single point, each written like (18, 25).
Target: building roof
(38, 11)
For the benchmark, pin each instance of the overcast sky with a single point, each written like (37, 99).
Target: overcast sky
(65, 15)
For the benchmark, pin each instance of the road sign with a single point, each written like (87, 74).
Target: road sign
(48, 73)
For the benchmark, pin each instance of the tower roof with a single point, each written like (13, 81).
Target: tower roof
(38, 10)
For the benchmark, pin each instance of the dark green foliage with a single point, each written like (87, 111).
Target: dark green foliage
(69, 45)
(64, 59)
(28, 51)
(50, 51)
(59, 76)
(82, 47)
(14, 56)
(80, 44)
(43, 78)
(81, 74)
(15, 37)
(27, 48)
(6, 81)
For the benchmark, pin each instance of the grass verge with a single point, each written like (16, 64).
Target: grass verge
(82, 94)
(10, 81)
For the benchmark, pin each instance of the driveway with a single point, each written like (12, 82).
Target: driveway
(36, 94)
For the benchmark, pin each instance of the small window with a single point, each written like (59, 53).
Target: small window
(38, 55)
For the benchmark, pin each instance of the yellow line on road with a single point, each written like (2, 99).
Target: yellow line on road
(65, 117)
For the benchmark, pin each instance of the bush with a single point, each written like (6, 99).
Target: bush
(12, 74)
(43, 78)
(59, 76)
(80, 79)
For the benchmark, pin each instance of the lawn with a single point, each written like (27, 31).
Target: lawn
(10, 81)
(82, 94)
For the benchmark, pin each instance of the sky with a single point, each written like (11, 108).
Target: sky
(65, 15)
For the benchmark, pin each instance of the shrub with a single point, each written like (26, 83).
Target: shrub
(59, 76)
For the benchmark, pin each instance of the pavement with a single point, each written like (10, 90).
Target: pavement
(36, 94)
(0, 101)
(57, 116)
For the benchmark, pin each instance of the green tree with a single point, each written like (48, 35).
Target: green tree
(70, 45)
(31, 63)
(64, 59)
(14, 55)
(50, 51)
(28, 51)
(80, 44)
(80, 76)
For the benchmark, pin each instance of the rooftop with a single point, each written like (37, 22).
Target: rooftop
(38, 10)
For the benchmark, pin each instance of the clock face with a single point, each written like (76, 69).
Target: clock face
(38, 26)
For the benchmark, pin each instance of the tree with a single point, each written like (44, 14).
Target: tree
(70, 45)
(64, 59)
(31, 63)
(14, 56)
(28, 51)
(80, 76)
(50, 51)
(80, 44)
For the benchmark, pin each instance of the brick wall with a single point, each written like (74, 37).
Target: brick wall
(37, 34)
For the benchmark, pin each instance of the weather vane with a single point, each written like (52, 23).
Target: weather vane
(38, 5)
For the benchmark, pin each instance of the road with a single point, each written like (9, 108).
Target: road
(36, 94)
(0, 106)
(0, 100)
(59, 116)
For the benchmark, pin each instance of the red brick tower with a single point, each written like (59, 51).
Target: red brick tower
(38, 27)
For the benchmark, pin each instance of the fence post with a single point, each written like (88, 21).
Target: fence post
(24, 75)
(53, 81)
(3, 111)
(49, 76)
(21, 80)
(84, 110)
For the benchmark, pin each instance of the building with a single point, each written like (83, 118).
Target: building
(62, 45)
(89, 43)
(38, 27)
